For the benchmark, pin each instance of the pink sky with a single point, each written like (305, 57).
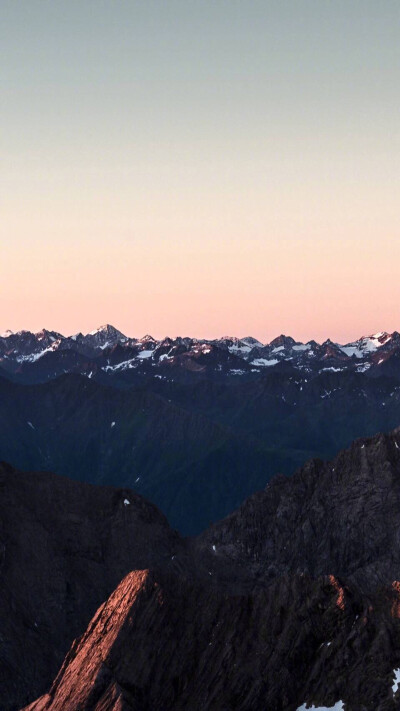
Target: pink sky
(303, 287)
(201, 168)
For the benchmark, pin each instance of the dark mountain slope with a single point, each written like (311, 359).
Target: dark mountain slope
(341, 516)
(313, 416)
(64, 546)
(192, 467)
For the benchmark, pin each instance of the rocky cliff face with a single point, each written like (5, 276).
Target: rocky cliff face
(291, 600)
(159, 643)
(64, 547)
(340, 516)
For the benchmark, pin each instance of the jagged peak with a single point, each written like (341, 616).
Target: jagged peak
(234, 339)
(251, 341)
(44, 333)
(380, 337)
(282, 340)
(108, 329)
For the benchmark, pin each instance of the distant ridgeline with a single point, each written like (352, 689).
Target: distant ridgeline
(193, 425)
(34, 357)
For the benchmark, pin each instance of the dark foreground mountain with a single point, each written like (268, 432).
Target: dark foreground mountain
(163, 644)
(292, 599)
(64, 546)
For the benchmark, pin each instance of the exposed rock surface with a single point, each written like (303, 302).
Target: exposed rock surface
(162, 643)
(291, 600)
(341, 516)
(64, 546)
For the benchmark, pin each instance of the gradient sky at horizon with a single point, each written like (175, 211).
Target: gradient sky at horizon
(200, 168)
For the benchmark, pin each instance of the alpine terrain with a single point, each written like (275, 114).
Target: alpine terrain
(292, 600)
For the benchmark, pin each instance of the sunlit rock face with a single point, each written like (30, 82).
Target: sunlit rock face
(161, 642)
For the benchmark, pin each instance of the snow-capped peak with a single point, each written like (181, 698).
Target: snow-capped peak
(366, 344)
(380, 338)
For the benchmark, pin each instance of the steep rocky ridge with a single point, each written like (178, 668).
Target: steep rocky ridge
(292, 599)
(229, 660)
(340, 516)
(160, 643)
(64, 546)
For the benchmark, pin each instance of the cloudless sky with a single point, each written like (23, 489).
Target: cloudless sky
(200, 167)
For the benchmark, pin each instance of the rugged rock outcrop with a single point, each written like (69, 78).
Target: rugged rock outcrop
(64, 546)
(341, 516)
(292, 599)
(159, 643)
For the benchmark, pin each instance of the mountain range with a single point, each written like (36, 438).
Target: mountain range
(106, 353)
(291, 602)
(182, 429)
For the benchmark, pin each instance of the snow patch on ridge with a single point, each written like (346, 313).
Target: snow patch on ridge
(264, 361)
(239, 349)
(302, 347)
(33, 357)
(337, 707)
(396, 682)
(121, 366)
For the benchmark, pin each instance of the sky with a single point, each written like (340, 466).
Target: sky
(200, 168)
